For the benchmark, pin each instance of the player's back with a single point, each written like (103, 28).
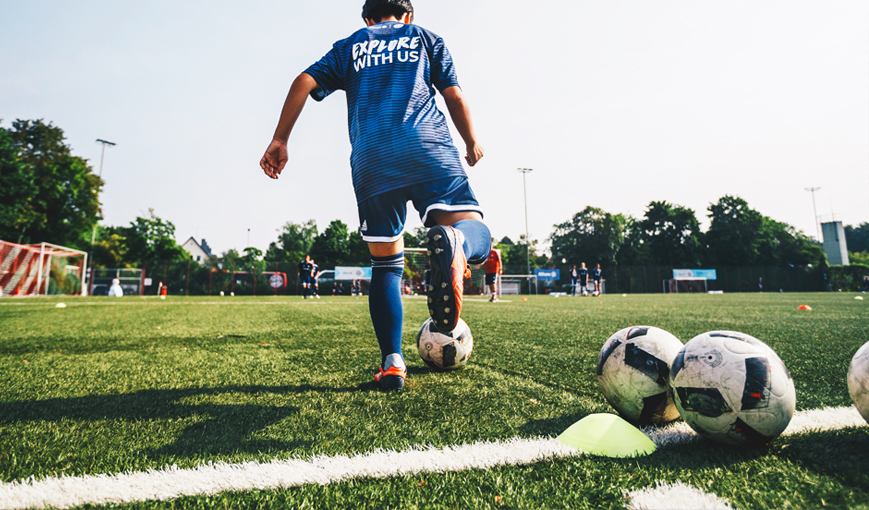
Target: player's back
(390, 72)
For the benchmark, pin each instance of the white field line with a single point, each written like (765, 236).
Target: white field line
(212, 478)
(171, 482)
(675, 496)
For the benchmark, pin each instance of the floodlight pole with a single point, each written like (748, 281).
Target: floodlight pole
(815, 209)
(525, 171)
(94, 234)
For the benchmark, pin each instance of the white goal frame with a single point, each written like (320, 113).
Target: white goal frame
(25, 269)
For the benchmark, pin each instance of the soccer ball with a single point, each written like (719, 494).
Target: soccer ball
(584, 293)
(444, 351)
(732, 388)
(858, 380)
(633, 371)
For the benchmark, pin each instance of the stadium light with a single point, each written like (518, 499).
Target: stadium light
(815, 209)
(527, 237)
(94, 234)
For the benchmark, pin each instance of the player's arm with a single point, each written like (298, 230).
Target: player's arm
(460, 112)
(276, 155)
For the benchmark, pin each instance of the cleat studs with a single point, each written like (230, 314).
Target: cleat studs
(438, 251)
(446, 298)
(438, 237)
(430, 300)
(443, 285)
(446, 321)
(446, 310)
(428, 252)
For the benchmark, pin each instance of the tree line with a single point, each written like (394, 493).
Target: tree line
(48, 194)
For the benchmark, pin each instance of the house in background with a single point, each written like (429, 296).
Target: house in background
(198, 252)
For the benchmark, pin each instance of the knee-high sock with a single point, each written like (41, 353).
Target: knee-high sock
(478, 240)
(384, 303)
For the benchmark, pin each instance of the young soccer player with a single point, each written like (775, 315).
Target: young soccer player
(305, 267)
(315, 275)
(401, 151)
(595, 277)
(493, 269)
(573, 277)
(583, 279)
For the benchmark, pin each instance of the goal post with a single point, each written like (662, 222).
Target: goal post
(41, 269)
(414, 272)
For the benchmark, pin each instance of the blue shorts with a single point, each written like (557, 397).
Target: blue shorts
(306, 279)
(382, 216)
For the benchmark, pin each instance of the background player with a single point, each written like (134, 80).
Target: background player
(493, 269)
(573, 277)
(595, 277)
(315, 275)
(305, 267)
(583, 279)
(402, 151)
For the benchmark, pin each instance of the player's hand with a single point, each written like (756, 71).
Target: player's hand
(475, 154)
(275, 159)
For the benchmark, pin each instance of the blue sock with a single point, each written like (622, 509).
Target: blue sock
(384, 303)
(478, 240)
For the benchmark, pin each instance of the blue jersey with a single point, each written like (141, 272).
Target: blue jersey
(315, 270)
(305, 268)
(583, 273)
(595, 274)
(399, 137)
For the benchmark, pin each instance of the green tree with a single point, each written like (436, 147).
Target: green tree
(417, 239)
(857, 238)
(151, 238)
(110, 248)
(48, 194)
(332, 247)
(592, 235)
(733, 235)
(670, 235)
(17, 190)
(294, 242)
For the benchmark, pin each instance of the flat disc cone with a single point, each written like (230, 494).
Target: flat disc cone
(607, 435)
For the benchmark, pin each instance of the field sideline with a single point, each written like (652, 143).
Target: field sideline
(113, 386)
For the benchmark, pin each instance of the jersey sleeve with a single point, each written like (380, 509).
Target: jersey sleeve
(443, 72)
(328, 73)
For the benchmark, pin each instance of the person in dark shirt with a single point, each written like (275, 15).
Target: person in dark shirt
(574, 276)
(595, 277)
(402, 151)
(315, 275)
(583, 279)
(305, 268)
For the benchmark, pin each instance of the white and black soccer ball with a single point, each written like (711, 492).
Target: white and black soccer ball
(633, 371)
(732, 388)
(444, 351)
(858, 380)
(584, 293)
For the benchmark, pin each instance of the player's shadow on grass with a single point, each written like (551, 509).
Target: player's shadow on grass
(843, 454)
(226, 429)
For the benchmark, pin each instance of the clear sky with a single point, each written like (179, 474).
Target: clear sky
(612, 103)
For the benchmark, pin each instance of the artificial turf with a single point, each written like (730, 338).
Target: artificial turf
(111, 385)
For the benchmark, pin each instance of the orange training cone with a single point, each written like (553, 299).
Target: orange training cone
(804, 307)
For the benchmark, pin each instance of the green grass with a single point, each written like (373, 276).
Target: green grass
(150, 383)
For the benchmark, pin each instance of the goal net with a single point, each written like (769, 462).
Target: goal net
(685, 286)
(40, 269)
(414, 274)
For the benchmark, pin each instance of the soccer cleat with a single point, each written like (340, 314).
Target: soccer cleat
(449, 268)
(392, 378)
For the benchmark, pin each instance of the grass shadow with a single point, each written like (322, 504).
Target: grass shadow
(843, 454)
(226, 430)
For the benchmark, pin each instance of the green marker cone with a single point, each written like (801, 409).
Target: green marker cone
(607, 435)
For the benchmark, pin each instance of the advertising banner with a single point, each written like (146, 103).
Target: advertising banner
(548, 274)
(352, 273)
(694, 274)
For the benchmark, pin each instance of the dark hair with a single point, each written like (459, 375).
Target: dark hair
(379, 9)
